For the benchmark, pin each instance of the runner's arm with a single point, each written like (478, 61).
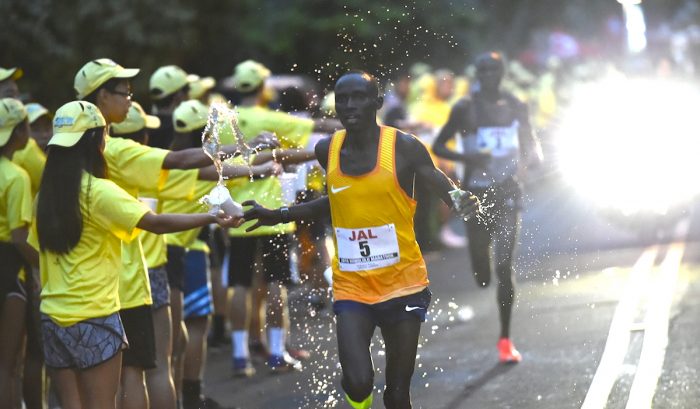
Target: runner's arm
(454, 125)
(427, 174)
(270, 217)
(304, 211)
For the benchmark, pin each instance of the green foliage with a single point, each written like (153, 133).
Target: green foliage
(52, 39)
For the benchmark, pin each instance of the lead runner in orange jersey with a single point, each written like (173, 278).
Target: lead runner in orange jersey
(379, 276)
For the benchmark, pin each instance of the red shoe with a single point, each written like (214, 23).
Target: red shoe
(507, 352)
(299, 354)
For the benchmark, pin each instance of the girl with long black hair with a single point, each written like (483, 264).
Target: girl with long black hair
(81, 220)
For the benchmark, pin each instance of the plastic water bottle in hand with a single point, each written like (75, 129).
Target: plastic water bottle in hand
(457, 196)
(219, 199)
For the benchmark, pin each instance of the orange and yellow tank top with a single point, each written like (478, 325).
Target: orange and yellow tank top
(376, 257)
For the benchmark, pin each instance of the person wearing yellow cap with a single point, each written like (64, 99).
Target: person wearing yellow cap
(81, 221)
(201, 87)
(39, 123)
(249, 81)
(169, 86)
(137, 127)
(17, 257)
(136, 167)
(188, 266)
(8, 84)
(32, 159)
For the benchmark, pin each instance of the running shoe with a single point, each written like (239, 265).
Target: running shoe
(283, 364)
(299, 353)
(507, 352)
(242, 368)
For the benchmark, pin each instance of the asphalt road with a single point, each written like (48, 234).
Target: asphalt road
(604, 319)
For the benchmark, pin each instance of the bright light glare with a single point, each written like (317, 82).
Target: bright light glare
(636, 27)
(632, 145)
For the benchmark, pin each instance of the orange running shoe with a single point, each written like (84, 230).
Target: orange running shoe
(507, 352)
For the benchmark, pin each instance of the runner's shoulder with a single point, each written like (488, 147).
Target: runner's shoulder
(321, 150)
(514, 101)
(409, 145)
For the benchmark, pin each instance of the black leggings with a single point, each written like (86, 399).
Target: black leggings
(494, 237)
(355, 332)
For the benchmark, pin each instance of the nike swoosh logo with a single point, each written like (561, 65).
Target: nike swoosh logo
(409, 309)
(340, 189)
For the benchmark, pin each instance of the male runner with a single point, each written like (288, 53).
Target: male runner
(379, 276)
(498, 145)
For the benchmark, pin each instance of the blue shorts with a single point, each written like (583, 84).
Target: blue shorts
(198, 296)
(412, 306)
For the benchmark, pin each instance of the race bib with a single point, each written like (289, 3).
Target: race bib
(501, 141)
(367, 248)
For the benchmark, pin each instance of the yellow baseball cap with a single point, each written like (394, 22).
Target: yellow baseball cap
(166, 80)
(136, 120)
(35, 111)
(12, 112)
(97, 72)
(190, 115)
(72, 120)
(198, 85)
(10, 73)
(248, 75)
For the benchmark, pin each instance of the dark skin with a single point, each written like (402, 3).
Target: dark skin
(357, 102)
(490, 69)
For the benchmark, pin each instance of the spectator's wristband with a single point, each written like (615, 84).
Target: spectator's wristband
(284, 214)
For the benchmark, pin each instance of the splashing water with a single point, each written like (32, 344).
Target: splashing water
(219, 199)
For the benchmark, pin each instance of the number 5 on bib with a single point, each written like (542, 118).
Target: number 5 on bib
(367, 248)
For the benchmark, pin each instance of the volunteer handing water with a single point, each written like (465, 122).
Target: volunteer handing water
(379, 275)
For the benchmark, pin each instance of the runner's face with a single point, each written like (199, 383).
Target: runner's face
(490, 73)
(356, 101)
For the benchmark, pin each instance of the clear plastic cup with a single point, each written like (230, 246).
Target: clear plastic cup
(289, 192)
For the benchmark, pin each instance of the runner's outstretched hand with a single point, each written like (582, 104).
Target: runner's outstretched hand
(467, 205)
(262, 215)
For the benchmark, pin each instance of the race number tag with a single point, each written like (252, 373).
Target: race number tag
(500, 141)
(367, 248)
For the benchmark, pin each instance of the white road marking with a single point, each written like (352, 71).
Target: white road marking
(651, 360)
(619, 334)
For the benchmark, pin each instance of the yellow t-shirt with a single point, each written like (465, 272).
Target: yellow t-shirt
(134, 167)
(15, 198)
(154, 245)
(186, 238)
(84, 283)
(292, 132)
(32, 159)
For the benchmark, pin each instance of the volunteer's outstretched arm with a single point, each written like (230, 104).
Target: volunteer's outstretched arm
(304, 211)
